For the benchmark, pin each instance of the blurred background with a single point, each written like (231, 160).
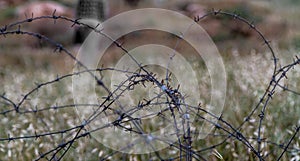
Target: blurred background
(278, 20)
(25, 60)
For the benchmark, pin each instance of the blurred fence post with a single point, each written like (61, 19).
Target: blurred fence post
(88, 9)
(132, 3)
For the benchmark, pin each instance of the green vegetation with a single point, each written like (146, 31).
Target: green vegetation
(7, 13)
(247, 77)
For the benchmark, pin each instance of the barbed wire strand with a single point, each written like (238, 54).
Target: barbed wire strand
(183, 130)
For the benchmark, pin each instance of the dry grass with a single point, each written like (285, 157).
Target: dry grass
(248, 74)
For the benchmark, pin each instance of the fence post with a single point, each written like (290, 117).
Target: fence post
(88, 9)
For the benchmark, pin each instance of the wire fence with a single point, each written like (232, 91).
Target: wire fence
(64, 140)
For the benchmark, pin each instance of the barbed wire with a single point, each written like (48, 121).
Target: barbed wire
(169, 97)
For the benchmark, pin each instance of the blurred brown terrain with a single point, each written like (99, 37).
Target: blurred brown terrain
(278, 22)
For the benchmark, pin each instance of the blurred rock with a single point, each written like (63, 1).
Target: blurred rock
(194, 9)
(59, 30)
(41, 8)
